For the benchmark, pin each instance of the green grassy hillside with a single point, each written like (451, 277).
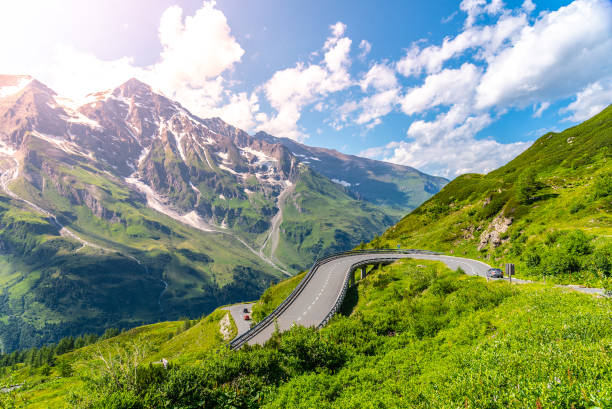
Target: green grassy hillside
(320, 218)
(548, 211)
(413, 334)
(142, 266)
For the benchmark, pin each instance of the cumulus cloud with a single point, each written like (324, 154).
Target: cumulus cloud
(475, 8)
(512, 63)
(379, 77)
(528, 6)
(447, 87)
(590, 101)
(562, 52)
(446, 145)
(291, 89)
(381, 89)
(195, 48)
(487, 39)
(376, 106)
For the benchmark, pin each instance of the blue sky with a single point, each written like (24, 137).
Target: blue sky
(447, 87)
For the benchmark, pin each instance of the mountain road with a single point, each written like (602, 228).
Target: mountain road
(322, 290)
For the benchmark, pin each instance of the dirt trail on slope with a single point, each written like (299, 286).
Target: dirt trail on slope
(274, 236)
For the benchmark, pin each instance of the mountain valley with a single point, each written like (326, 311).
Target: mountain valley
(124, 208)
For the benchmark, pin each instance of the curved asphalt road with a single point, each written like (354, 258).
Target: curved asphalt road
(320, 294)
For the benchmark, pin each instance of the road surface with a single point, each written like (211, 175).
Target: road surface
(320, 294)
(317, 299)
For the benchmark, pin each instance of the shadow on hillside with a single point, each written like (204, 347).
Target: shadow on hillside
(350, 301)
(547, 196)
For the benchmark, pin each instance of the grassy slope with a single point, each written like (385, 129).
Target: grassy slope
(162, 340)
(414, 335)
(567, 166)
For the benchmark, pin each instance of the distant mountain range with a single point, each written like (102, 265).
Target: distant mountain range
(126, 208)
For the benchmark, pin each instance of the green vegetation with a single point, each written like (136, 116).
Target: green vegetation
(415, 334)
(69, 377)
(320, 218)
(548, 211)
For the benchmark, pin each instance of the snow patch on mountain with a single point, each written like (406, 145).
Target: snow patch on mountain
(261, 157)
(157, 202)
(9, 90)
(62, 144)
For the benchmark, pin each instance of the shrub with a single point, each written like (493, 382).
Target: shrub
(532, 257)
(601, 262)
(558, 261)
(576, 242)
(65, 368)
(603, 186)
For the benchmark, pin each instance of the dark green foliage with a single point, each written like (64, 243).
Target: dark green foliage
(603, 186)
(563, 253)
(601, 261)
(65, 368)
(225, 379)
(497, 202)
(37, 357)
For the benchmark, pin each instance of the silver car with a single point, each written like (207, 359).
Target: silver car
(495, 273)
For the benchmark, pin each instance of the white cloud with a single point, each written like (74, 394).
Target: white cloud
(241, 110)
(380, 77)
(590, 101)
(369, 109)
(291, 89)
(448, 87)
(365, 48)
(528, 6)
(487, 38)
(196, 51)
(562, 52)
(337, 30)
(512, 63)
(74, 73)
(475, 8)
(196, 48)
(375, 106)
(453, 159)
(446, 146)
(540, 110)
